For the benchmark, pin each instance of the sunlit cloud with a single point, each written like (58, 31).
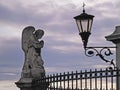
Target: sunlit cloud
(8, 85)
(10, 74)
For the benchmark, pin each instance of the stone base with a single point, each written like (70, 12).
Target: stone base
(28, 84)
(24, 84)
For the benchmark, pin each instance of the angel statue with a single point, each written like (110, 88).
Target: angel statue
(31, 45)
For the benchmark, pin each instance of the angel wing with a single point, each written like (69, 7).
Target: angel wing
(27, 32)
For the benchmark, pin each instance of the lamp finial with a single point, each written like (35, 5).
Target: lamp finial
(83, 7)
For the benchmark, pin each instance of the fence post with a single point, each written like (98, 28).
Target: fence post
(115, 38)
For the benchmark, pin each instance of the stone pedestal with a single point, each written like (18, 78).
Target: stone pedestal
(29, 84)
(25, 84)
(115, 38)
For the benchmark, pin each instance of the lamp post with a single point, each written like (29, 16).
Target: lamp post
(84, 23)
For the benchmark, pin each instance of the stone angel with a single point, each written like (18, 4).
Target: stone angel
(31, 45)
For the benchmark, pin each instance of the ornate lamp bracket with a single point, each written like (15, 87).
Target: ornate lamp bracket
(101, 52)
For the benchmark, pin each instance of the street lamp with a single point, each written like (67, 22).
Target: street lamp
(84, 23)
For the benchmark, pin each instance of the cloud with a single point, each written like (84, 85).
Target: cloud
(8, 85)
(11, 58)
(22, 15)
(63, 48)
(9, 72)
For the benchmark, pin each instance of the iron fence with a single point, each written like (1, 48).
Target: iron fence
(87, 80)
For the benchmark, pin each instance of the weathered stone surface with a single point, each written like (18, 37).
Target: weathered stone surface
(33, 64)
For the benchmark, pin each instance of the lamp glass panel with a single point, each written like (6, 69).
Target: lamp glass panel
(90, 25)
(79, 25)
(84, 25)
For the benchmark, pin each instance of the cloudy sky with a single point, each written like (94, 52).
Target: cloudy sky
(63, 49)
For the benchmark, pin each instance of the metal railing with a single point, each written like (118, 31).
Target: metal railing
(87, 80)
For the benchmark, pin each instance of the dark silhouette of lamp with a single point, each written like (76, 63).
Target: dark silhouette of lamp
(84, 23)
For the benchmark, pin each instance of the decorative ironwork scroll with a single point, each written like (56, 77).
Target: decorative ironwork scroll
(102, 52)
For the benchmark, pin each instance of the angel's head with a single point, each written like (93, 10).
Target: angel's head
(39, 33)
